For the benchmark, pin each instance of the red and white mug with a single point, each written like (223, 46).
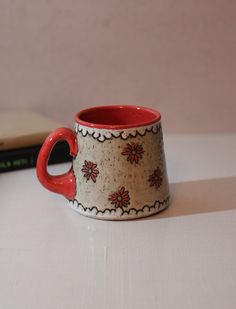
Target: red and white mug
(118, 169)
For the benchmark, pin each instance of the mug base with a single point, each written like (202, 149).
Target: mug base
(120, 214)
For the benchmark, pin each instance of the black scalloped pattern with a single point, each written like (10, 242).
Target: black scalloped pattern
(137, 133)
(156, 206)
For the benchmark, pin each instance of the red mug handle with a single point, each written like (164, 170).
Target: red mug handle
(63, 184)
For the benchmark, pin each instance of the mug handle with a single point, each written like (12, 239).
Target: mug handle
(65, 183)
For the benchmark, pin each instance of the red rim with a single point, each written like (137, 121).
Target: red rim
(117, 117)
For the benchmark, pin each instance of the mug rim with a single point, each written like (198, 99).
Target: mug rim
(155, 117)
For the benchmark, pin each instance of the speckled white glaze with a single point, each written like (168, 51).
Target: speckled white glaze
(116, 177)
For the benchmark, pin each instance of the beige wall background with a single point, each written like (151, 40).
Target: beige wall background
(59, 56)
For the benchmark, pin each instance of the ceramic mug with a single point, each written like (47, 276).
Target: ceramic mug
(118, 169)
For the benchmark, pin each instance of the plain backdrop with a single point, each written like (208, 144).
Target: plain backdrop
(179, 57)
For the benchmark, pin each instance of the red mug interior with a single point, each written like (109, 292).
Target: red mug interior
(117, 117)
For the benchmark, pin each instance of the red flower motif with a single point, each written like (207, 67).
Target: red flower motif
(90, 171)
(156, 178)
(134, 152)
(120, 198)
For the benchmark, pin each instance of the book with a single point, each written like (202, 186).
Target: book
(22, 158)
(22, 134)
(24, 128)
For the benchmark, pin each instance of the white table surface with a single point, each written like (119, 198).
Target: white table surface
(185, 257)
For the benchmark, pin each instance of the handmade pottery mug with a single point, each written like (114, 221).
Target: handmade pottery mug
(118, 168)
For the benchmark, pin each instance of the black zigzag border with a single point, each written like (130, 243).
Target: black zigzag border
(157, 205)
(137, 133)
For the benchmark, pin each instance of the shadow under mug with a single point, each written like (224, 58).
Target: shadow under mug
(118, 169)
